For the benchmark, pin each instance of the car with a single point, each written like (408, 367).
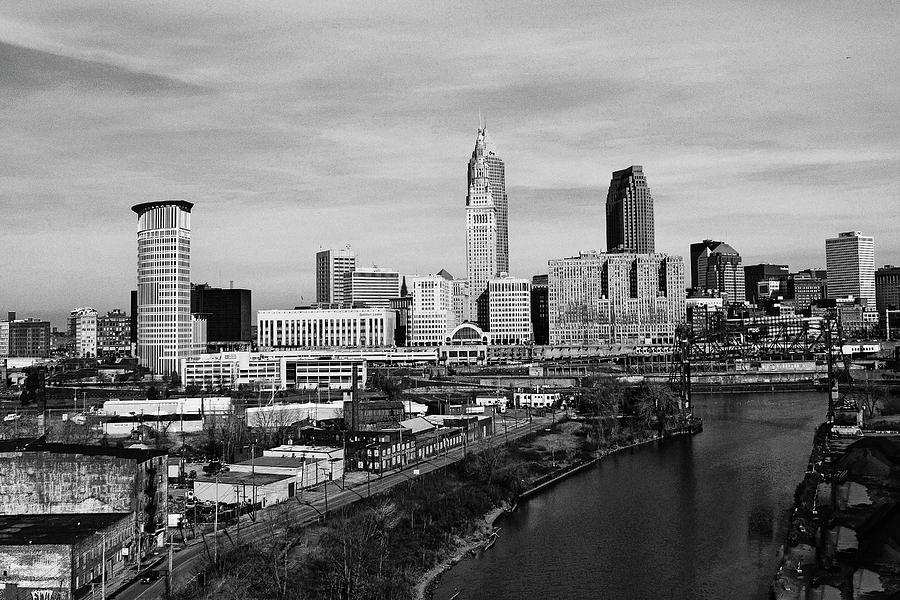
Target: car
(149, 576)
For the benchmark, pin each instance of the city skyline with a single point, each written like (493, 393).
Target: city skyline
(105, 109)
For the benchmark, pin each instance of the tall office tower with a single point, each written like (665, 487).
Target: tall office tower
(620, 298)
(84, 323)
(227, 310)
(850, 262)
(487, 217)
(629, 213)
(540, 317)
(431, 317)
(164, 326)
(887, 289)
(332, 267)
(716, 266)
(371, 287)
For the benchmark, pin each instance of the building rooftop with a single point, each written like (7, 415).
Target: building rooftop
(283, 462)
(60, 529)
(39, 445)
(145, 206)
(233, 477)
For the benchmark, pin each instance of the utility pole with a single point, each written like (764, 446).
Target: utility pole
(170, 580)
(216, 526)
(103, 567)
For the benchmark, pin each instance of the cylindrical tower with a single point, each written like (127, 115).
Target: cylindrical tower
(164, 333)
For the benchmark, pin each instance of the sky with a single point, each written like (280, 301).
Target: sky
(299, 125)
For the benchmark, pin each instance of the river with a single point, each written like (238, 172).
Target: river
(699, 517)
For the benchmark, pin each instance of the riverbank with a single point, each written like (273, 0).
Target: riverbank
(425, 586)
(845, 519)
(424, 589)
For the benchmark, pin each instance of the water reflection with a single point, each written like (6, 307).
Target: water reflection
(688, 518)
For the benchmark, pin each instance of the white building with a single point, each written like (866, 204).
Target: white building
(535, 399)
(331, 268)
(497, 402)
(272, 370)
(371, 287)
(462, 301)
(208, 405)
(850, 262)
(325, 328)
(282, 415)
(84, 322)
(309, 470)
(619, 298)
(164, 327)
(431, 317)
(509, 310)
(238, 487)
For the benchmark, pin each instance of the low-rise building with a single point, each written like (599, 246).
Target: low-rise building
(536, 399)
(326, 328)
(59, 556)
(238, 487)
(308, 469)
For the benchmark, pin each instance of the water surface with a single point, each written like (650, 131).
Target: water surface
(699, 517)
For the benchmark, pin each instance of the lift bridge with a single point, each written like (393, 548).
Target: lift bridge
(714, 347)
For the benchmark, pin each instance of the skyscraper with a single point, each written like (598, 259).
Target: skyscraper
(717, 266)
(487, 223)
(332, 267)
(629, 213)
(164, 327)
(850, 259)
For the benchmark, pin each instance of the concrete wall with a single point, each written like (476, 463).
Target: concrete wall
(38, 571)
(42, 482)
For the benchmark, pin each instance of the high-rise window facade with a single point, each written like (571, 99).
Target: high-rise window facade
(850, 259)
(371, 287)
(629, 213)
(164, 329)
(487, 217)
(431, 316)
(598, 298)
(332, 267)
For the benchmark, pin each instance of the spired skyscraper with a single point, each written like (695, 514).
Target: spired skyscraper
(487, 217)
(629, 213)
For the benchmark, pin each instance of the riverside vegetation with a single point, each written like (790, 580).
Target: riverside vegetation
(379, 548)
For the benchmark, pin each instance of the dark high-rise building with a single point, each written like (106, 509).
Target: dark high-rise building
(753, 274)
(629, 213)
(717, 266)
(540, 311)
(134, 316)
(887, 289)
(805, 289)
(228, 311)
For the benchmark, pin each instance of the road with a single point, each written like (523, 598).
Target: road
(311, 505)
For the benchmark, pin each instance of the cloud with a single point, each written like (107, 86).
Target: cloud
(295, 125)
